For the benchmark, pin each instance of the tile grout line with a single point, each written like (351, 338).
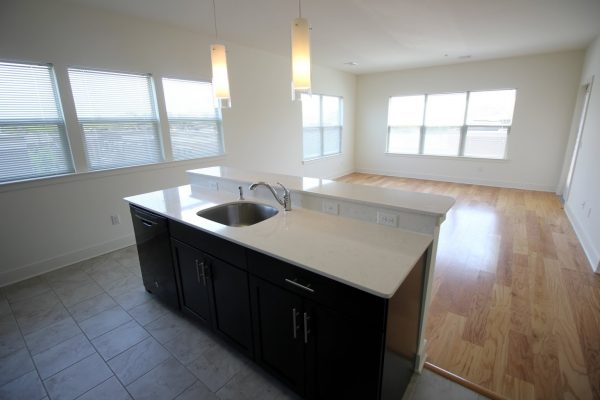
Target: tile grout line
(87, 337)
(158, 365)
(89, 390)
(51, 288)
(82, 332)
(28, 351)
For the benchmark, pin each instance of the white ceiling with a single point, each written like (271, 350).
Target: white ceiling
(383, 35)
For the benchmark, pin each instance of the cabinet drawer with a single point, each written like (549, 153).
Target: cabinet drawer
(362, 306)
(215, 246)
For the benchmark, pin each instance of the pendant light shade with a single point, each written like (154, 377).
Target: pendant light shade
(220, 78)
(300, 58)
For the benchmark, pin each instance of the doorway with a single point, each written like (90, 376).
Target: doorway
(587, 90)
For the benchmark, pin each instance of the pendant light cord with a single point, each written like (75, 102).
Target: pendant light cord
(299, 8)
(215, 19)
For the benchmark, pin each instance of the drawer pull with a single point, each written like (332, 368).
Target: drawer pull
(307, 287)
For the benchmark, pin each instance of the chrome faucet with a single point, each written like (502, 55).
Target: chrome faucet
(285, 201)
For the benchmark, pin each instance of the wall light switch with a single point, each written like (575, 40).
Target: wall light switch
(331, 207)
(387, 219)
(115, 220)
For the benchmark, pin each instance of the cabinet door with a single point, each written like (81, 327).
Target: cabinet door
(343, 357)
(278, 335)
(231, 316)
(192, 267)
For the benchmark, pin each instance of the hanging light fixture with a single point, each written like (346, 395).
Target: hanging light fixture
(220, 78)
(300, 55)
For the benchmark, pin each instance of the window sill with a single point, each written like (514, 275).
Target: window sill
(317, 159)
(447, 157)
(80, 176)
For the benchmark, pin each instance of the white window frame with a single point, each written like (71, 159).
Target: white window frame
(322, 128)
(463, 128)
(218, 121)
(59, 122)
(155, 120)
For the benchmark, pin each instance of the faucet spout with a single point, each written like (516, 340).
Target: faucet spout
(284, 200)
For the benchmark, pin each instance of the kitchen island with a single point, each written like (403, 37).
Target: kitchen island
(330, 297)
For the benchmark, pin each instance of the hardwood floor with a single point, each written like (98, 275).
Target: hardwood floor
(516, 306)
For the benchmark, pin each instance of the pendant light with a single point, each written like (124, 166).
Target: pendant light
(220, 78)
(300, 56)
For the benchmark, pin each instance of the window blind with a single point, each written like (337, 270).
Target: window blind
(118, 118)
(33, 140)
(195, 123)
(322, 125)
(465, 124)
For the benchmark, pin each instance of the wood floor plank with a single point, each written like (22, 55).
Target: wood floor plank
(494, 356)
(588, 324)
(515, 388)
(520, 356)
(449, 334)
(475, 324)
(515, 305)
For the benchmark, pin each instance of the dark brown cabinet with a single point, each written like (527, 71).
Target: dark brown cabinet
(320, 353)
(231, 303)
(278, 332)
(192, 267)
(212, 290)
(344, 357)
(324, 339)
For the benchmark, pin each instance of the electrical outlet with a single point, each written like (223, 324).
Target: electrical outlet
(115, 219)
(213, 185)
(331, 207)
(387, 219)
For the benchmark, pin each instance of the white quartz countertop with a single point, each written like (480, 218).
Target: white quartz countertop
(367, 256)
(422, 203)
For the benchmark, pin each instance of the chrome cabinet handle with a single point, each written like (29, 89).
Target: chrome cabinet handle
(307, 287)
(294, 324)
(200, 266)
(306, 330)
(197, 271)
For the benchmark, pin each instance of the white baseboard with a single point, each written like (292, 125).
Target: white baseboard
(592, 254)
(469, 181)
(41, 267)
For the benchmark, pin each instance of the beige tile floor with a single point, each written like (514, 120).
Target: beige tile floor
(91, 331)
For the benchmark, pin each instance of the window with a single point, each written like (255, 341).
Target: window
(322, 118)
(118, 118)
(468, 124)
(194, 121)
(33, 140)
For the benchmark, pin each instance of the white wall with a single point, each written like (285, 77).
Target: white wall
(56, 221)
(583, 202)
(546, 92)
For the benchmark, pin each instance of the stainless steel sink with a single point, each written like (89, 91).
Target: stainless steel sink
(240, 213)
